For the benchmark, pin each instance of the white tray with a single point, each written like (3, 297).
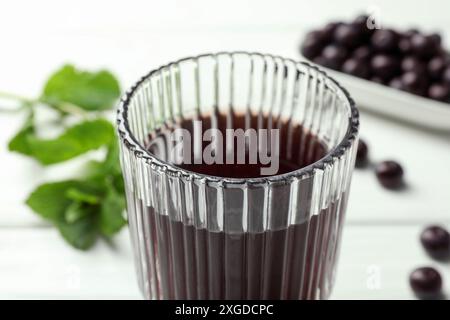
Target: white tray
(394, 103)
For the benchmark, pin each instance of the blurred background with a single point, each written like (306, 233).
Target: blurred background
(381, 237)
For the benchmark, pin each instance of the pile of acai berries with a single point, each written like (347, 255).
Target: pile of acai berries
(407, 60)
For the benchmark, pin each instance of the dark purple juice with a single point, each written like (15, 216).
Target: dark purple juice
(296, 262)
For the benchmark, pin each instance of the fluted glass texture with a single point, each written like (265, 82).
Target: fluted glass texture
(197, 236)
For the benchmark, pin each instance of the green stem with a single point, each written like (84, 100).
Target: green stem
(71, 109)
(12, 96)
(63, 106)
(14, 110)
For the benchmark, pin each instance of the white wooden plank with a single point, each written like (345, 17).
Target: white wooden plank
(35, 263)
(424, 156)
(375, 262)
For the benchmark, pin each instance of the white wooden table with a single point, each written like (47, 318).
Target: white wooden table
(380, 245)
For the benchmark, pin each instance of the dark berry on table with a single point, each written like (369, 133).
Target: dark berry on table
(362, 53)
(411, 32)
(347, 35)
(389, 174)
(404, 45)
(414, 82)
(356, 67)
(328, 31)
(396, 83)
(411, 63)
(436, 240)
(334, 55)
(312, 45)
(384, 66)
(310, 49)
(317, 35)
(362, 154)
(320, 60)
(446, 56)
(436, 37)
(446, 75)
(335, 52)
(384, 40)
(377, 80)
(423, 46)
(438, 91)
(426, 282)
(361, 23)
(436, 67)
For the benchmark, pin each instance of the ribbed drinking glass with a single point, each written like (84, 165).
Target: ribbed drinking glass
(199, 236)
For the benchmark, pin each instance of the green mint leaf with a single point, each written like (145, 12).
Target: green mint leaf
(82, 233)
(81, 138)
(19, 143)
(118, 183)
(76, 211)
(112, 162)
(76, 140)
(111, 212)
(88, 90)
(81, 196)
(49, 200)
(109, 166)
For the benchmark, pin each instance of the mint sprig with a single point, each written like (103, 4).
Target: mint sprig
(90, 91)
(76, 140)
(90, 205)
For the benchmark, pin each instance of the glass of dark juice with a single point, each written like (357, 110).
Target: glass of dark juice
(237, 168)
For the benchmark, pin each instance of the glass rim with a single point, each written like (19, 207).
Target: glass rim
(139, 151)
